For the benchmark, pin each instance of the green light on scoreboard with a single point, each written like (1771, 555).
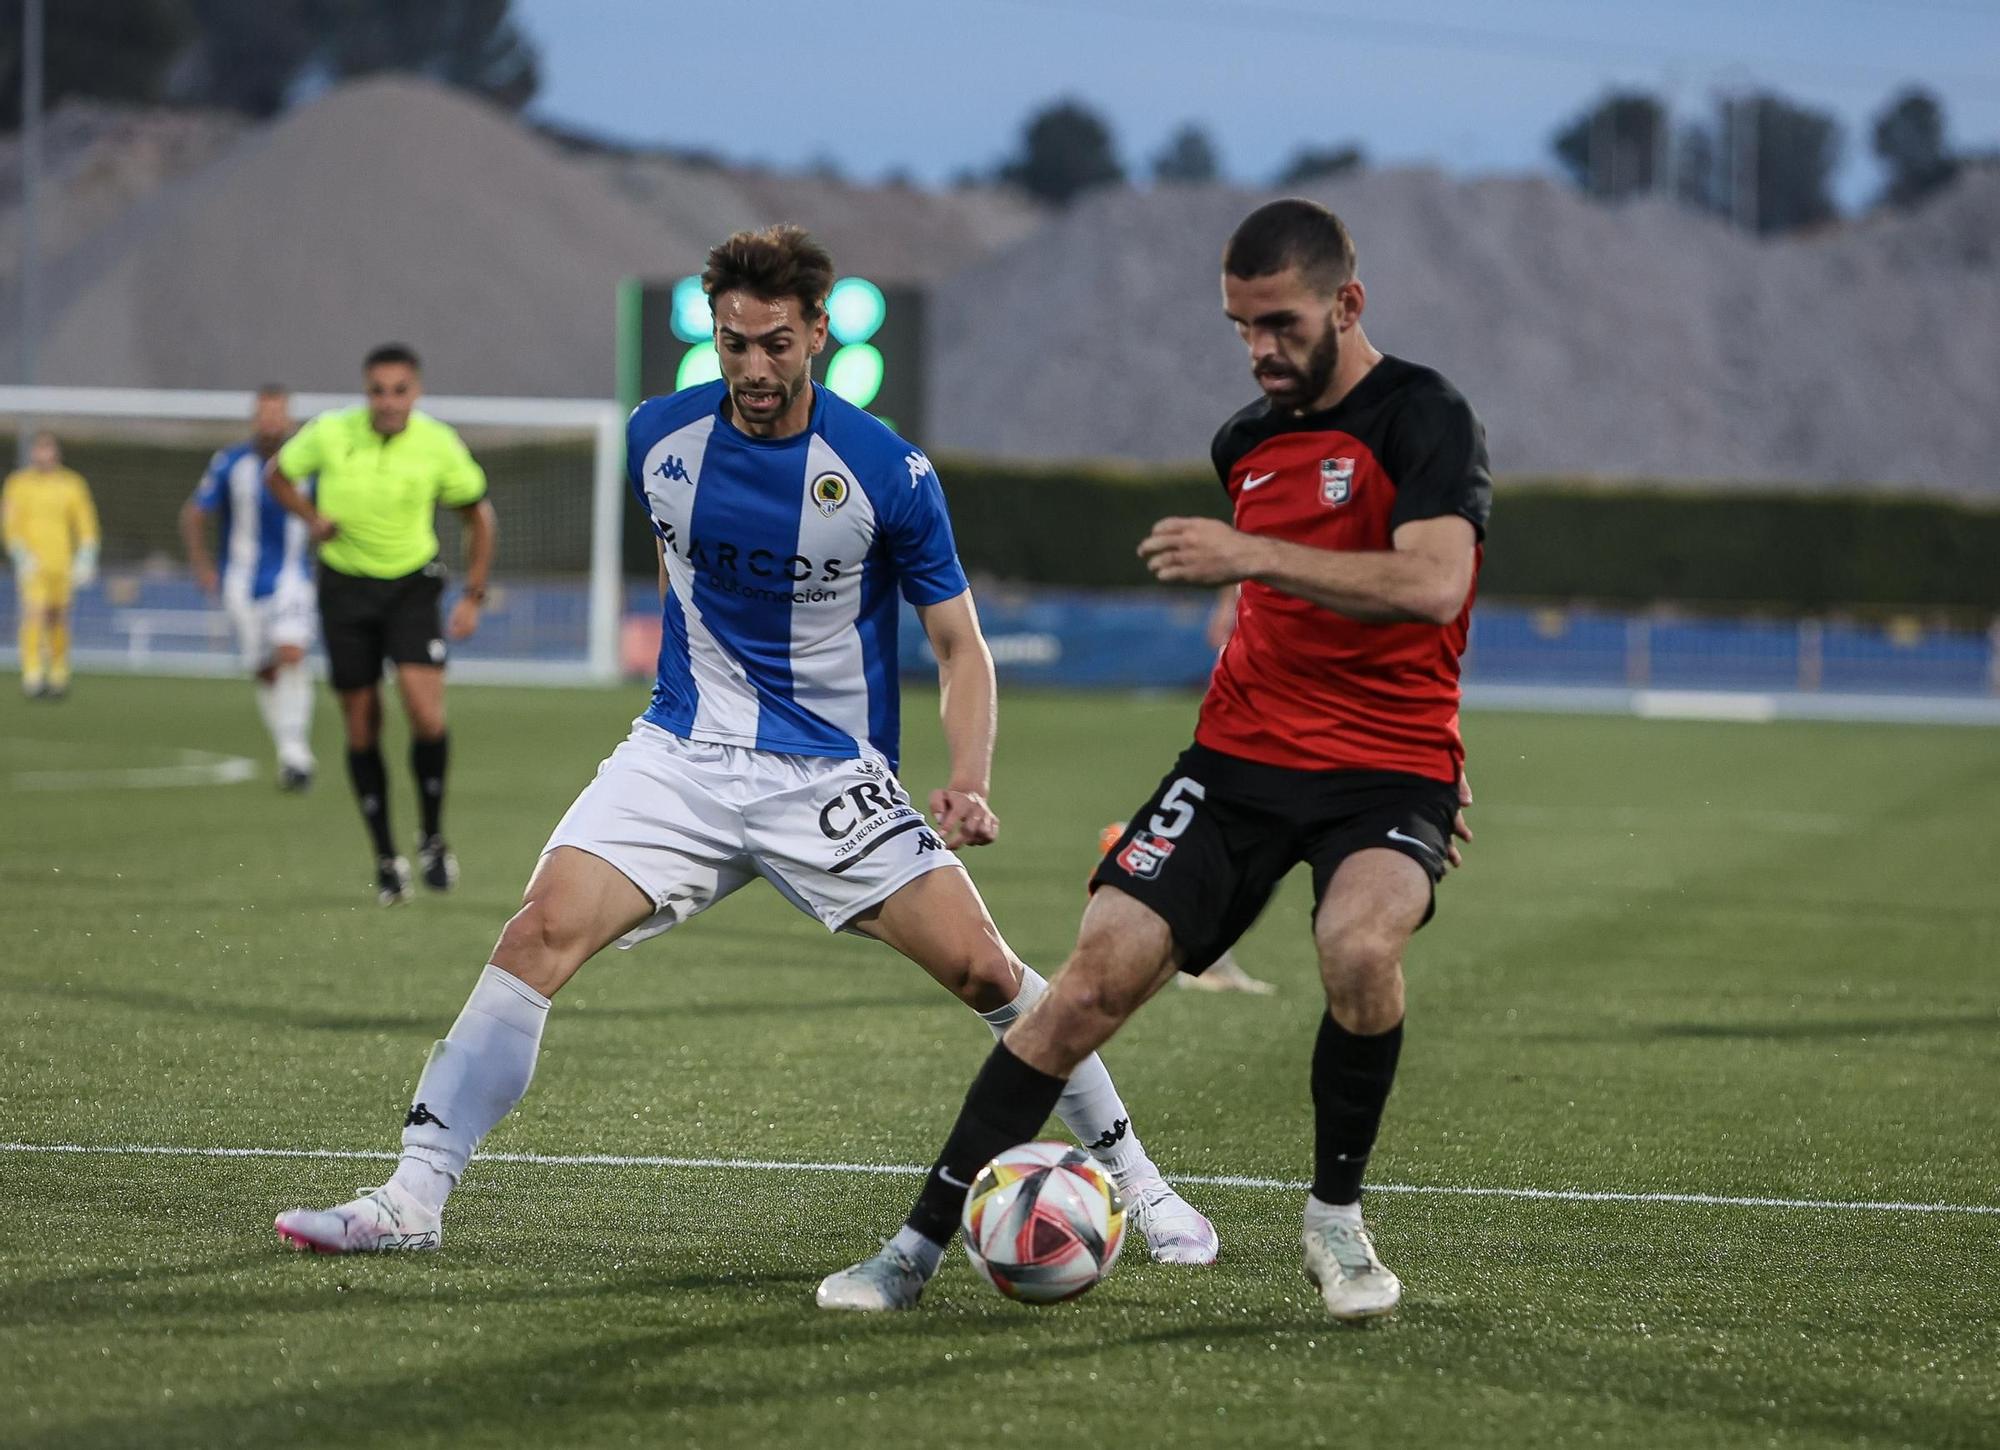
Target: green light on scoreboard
(855, 373)
(691, 319)
(701, 364)
(855, 311)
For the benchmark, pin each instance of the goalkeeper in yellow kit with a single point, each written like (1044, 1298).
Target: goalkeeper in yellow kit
(50, 529)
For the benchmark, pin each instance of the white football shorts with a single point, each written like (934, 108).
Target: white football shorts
(287, 615)
(689, 822)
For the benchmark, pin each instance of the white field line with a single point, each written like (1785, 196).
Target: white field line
(195, 767)
(910, 1170)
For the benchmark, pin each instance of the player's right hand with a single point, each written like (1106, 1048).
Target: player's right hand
(963, 818)
(1459, 829)
(322, 528)
(208, 580)
(24, 563)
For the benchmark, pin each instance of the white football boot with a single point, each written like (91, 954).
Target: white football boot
(1341, 1262)
(890, 1280)
(1176, 1232)
(1226, 975)
(383, 1220)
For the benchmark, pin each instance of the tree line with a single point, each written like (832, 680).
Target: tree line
(1761, 159)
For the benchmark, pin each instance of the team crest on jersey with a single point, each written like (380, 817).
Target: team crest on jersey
(1336, 481)
(829, 491)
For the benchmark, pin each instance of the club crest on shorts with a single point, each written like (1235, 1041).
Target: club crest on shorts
(1144, 855)
(829, 491)
(1336, 481)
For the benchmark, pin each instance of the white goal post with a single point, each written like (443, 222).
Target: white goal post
(570, 577)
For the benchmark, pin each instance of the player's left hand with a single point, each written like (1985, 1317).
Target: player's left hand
(1459, 829)
(1198, 551)
(464, 618)
(963, 818)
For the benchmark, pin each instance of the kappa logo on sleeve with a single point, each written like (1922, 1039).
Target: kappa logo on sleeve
(919, 467)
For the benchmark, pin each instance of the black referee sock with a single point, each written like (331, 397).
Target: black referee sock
(427, 759)
(1007, 1105)
(371, 792)
(1351, 1078)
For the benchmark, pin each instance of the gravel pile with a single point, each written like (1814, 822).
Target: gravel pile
(1637, 341)
(398, 208)
(1631, 341)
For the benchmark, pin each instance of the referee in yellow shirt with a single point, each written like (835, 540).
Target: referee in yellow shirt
(383, 469)
(50, 529)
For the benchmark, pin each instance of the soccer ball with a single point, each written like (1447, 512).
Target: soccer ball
(1043, 1222)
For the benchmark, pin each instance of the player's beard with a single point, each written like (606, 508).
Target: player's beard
(1304, 385)
(788, 390)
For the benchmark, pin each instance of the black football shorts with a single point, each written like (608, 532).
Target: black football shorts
(366, 621)
(1213, 842)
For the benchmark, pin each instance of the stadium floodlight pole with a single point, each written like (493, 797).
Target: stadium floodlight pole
(31, 176)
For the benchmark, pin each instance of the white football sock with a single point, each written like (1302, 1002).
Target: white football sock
(293, 730)
(268, 707)
(1320, 1215)
(473, 1079)
(918, 1249)
(1089, 1106)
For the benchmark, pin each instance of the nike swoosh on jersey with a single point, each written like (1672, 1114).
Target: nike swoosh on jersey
(1258, 480)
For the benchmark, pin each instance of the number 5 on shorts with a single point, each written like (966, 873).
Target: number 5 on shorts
(1176, 812)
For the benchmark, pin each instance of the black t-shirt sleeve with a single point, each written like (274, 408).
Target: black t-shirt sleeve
(1437, 456)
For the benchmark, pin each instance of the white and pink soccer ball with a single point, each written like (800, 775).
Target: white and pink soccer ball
(1043, 1223)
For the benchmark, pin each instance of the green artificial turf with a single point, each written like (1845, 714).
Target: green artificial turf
(1740, 960)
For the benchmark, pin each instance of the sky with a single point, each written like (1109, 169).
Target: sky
(930, 89)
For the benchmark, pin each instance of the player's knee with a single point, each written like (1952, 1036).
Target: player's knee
(1361, 967)
(1359, 961)
(541, 932)
(987, 978)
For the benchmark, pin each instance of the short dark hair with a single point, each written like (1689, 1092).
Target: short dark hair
(392, 352)
(273, 390)
(1292, 233)
(780, 261)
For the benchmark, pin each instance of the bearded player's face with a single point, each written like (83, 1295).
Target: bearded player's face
(1292, 332)
(766, 347)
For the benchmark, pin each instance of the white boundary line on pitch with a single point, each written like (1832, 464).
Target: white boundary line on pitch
(907, 1170)
(195, 767)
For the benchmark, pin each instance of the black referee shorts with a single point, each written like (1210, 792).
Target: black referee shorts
(1213, 842)
(366, 621)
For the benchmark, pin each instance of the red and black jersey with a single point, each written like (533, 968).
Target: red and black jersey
(1299, 685)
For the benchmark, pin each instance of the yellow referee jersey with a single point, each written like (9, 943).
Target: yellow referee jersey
(383, 492)
(48, 512)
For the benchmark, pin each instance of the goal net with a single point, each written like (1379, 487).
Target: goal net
(555, 477)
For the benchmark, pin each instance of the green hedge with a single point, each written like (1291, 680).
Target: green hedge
(1550, 539)
(1632, 543)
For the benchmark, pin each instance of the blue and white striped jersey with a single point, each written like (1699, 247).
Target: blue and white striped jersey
(262, 545)
(784, 559)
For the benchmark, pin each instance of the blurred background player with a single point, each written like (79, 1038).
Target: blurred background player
(382, 470)
(50, 527)
(264, 579)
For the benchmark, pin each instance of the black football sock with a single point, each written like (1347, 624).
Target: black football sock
(1351, 1078)
(427, 759)
(371, 792)
(1007, 1105)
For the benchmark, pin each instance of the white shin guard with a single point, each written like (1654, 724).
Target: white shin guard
(1089, 1106)
(474, 1077)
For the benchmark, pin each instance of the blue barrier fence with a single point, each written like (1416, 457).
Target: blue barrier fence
(1158, 640)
